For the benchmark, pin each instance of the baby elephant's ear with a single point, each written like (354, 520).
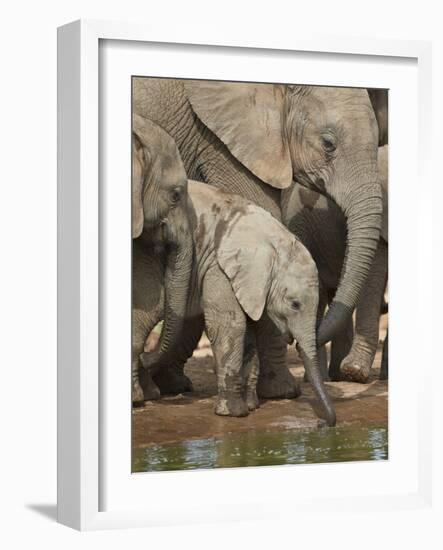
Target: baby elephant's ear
(246, 257)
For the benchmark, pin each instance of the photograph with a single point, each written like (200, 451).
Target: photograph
(259, 274)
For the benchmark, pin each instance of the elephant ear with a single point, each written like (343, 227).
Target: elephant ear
(379, 101)
(138, 173)
(246, 256)
(248, 118)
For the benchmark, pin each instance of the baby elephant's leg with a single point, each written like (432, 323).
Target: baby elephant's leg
(275, 381)
(251, 369)
(226, 328)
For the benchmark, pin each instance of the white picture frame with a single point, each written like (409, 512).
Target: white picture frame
(83, 397)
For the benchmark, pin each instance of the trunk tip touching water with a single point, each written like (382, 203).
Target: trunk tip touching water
(314, 376)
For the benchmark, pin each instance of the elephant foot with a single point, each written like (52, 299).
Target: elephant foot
(151, 392)
(252, 400)
(278, 384)
(231, 406)
(354, 371)
(172, 380)
(137, 394)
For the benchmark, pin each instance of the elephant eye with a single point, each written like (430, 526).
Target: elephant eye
(328, 143)
(295, 305)
(176, 194)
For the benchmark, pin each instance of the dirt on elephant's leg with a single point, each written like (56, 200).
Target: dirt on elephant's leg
(226, 343)
(274, 380)
(251, 369)
(226, 329)
(357, 365)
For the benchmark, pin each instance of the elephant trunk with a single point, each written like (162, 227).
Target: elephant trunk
(362, 207)
(178, 270)
(308, 354)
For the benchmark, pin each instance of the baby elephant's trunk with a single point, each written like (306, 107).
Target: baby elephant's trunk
(313, 374)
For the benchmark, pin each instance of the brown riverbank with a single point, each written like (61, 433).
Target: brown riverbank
(191, 416)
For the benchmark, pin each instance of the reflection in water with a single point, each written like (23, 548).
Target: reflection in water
(256, 448)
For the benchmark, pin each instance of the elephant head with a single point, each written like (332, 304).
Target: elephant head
(292, 306)
(269, 269)
(321, 137)
(159, 191)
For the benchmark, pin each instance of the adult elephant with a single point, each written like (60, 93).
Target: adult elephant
(321, 227)
(255, 139)
(162, 252)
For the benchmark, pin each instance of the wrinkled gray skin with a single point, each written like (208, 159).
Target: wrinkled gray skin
(255, 139)
(321, 226)
(162, 253)
(249, 272)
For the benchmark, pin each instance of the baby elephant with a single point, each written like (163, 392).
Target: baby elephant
(248, 268)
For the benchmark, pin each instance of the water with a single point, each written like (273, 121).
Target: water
(263, 448)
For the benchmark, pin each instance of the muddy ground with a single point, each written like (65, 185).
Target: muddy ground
(191, 416)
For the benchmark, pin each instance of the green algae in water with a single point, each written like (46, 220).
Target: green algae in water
(256, 448)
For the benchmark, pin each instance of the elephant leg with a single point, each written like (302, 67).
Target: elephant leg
(340, 347)
(357, 365)
(226, 329)
(251, 369)
(171, 378)
(274, 380)
(384, 359)
(143, 387)
(148, 307)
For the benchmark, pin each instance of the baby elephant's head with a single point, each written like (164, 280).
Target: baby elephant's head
(269, 269)
(293, 295)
